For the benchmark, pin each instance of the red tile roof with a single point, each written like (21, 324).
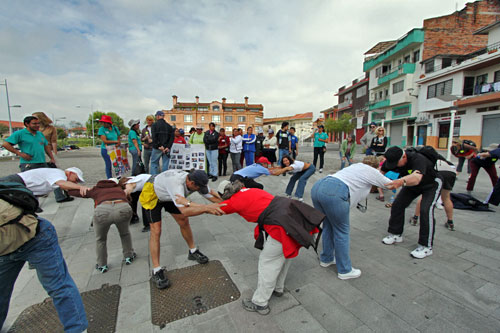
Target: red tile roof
(15, 124)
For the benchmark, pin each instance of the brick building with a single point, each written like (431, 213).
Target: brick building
(302, 122)
(228, 115)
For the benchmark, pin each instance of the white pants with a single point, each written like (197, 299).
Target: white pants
(273, 267)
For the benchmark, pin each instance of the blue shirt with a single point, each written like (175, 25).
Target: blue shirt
(253, 171)
(294, 140)
(30, 144)
(318, 136)
(133, 135)
(249, 142)
(111, 134)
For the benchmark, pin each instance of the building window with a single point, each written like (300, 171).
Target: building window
(378, 72)
(188, 118)
(386, 93)
(429, 66)
(229, 129)
(398, 87)
(228, 109)
(401, 112)
(202, 108)
(216, 108)
(446, 62)
(216, 119)
(240, 109)
(440, 89)
(496, 76)
(229, 119)
(360, 92)
(187, 128)
(172, 117)
(481, 79)
(416, 56)
(407, 59)
(378, 115)
(258, 119)
(202, 118)
(242, 118)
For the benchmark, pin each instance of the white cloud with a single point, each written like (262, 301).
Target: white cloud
(130, 56)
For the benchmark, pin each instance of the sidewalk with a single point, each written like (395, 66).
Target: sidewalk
(456, 289)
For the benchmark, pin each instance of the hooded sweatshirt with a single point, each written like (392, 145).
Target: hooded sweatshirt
(104, 190)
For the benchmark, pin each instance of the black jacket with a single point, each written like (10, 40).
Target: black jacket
(163, 134)
(211, 141)
(297, 218)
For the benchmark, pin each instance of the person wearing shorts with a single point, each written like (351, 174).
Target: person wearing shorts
(160, 193)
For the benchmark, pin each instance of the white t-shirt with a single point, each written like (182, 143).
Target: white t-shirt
(171, 182)
(235, 144)
(271, 142)
(42, 181)
(139, 180)
(443, 166)
(359, 178)
(297, 166)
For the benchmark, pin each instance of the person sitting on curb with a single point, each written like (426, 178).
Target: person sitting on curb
(287, 225)
(160, 192)
(42, 181)
(248, 174)
(111, 207)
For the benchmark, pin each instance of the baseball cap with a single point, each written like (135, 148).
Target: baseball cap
(159, 113)
(200, 179)
(263, 160)
(222, 186)
(133, 122)
(373, 124)
(78, 172)
(270, 131)
(393, 155)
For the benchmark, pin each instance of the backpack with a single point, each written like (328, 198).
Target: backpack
(20, 196)
(431, 154)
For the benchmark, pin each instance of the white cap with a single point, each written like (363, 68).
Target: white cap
(114, 179)
(223, 185)
(78, 172)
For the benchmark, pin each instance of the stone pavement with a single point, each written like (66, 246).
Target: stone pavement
(456, 289)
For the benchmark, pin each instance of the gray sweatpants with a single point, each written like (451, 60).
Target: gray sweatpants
(105, 215)
(273, 267)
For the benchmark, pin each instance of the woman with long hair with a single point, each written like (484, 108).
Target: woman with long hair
(347, 150)
(48, 130)
(379, 142)
(134, 143)
(147, 141)
(301, 171)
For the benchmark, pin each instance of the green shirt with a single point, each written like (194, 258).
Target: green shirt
(111, 134)
(131, 136)
(318, 136)
(196, 139)
(30, 144)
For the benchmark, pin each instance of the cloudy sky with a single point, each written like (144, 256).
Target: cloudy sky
(130, 56)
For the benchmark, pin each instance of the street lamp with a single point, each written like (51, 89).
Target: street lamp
(91, 111)
(8, 105)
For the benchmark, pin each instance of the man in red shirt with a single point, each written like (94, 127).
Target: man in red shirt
(223, 151)
(258, 206)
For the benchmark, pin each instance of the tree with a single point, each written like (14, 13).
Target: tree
(75, 124)
(61, 133)
(117, 121)
(338, 126)
(3, 129)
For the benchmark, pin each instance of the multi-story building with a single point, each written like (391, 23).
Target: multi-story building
(471, 85)
(303, 123)
(391, 68)
(353, 99)
(330, 113)
(223, 114)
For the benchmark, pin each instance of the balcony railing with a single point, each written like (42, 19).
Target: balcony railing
(378, 103)
(484, 88)
(406, 68)
(345, 104)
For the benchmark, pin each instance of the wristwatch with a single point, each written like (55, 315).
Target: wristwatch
(404, 181)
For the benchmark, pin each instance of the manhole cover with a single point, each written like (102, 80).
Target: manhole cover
(101, 306)
(193, 290)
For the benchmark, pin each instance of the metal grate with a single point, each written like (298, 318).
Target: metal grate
(101, 306)
(193, 290)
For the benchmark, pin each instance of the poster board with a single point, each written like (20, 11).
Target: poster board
(119, 161)
(186, 157)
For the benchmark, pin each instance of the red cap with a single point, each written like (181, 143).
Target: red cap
(263, 160)
(106, 119)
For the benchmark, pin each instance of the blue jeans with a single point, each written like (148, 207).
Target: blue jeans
(107, 162)
(282, 153)
(135, 158)
(302, 177)
(249, 157)
(43, 252)
(347, 159)
(331, 197)
(156, 154)
(369, 152)
(213, 160)
(146, 158)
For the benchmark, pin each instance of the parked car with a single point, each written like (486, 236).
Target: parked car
(59, 148)
(5, 153)
(73, 147)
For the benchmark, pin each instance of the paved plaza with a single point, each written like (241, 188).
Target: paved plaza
(456, 289)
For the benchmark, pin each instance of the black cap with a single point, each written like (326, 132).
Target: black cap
(200, 179)
(393, 155)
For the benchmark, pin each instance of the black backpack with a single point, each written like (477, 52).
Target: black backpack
(431, 154)
(20, 196)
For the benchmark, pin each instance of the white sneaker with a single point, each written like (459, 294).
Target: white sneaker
(300, 199)
(288, 196)
(421, 252)
(439, 205)
(320, 170)
(391, 239)
(354, 273)
(327, 264)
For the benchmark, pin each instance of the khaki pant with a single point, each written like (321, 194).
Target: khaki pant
(105, 215)
(273, 267)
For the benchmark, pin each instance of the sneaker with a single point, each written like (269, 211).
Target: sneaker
(134, 220)
(128, 260)
(327, 264)
(421, 252)
(67, 199)
(300, 199)
(391, 239)
(288, 196)
(450, 226)
(102, 269)
(214, 178)
(277, 293)
(354, 273)
(252, 307)
(198, 256)
(414, 220)
(320, 170)
(146, 229)
(160, 279)
(439, 205)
